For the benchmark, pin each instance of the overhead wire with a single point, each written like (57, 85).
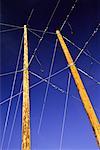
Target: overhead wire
(45, 79)
(65, 112)
(40, 64)
(71, 10)
(68, 65)
(51, 67)
(9, 30)
(44, 33)
(36, 84)
(86, 74)
(94, 59)
(80, 49)
(7, 100)
(34, 33)
(31, 13)
(70, 28)
(90, 56)
(41, 31)
(47, 88)
(14, 119)
(12, 90)
(15, 113)
(10, 73)
(10, 25)
(87, 42)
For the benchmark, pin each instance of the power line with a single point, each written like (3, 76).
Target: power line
(81, 50)
(94, 59)
(86, 74)
(70, 28)
(45, 79)
(72, 8)
(7, 100)
(87, 42)
(65, 111)
(41, 31)
(36, 84)
(34, 33)
(53, 13)
(9, 25)
(14, 119)
(44, 32)
(47, 87)
(10, 73)
(76, 47)
(31, 13)
(46, 92)
(9, 30)
(12, 90)
(70, 43)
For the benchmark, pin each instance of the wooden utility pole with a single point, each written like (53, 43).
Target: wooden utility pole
(26, 103)
(83, 94)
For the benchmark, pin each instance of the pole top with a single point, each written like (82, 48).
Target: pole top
(57, 32)
(25, 26)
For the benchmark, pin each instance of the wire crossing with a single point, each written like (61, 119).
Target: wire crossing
(47, 79)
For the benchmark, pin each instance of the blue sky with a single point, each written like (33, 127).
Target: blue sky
(85, 17)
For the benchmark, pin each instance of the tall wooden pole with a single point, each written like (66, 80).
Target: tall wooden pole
(83, 94)
(26, 103)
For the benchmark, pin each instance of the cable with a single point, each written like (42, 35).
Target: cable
(77, 48)
(7, 100)
(47, 87)
(42, 80)
(72, 8)
(9, 73)
(86, 74)
(9, 25)
(14, 85)
(81, 50)
(65, 111)
(40, 64)
(30, 16)
(35, 54)
(14, 119)
(44, 32)
(8, 30)
(43, 107)
(87, 42)
(41, 31)
(12, 90)
(34, 33)
(53, 13)
(45, 80)
(70, 27)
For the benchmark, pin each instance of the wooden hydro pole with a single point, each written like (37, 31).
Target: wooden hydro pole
(26, 103)
(83, 94)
